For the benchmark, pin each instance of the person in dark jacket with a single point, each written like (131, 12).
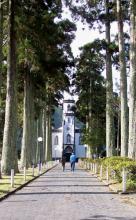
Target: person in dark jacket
(63, 161)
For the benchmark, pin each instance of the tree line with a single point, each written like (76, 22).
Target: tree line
(120, 52)
(35, 57)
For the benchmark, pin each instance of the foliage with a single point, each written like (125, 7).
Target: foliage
(44, 51)
(117, 164)
(45, 44)
(131, 184)
(90, 87)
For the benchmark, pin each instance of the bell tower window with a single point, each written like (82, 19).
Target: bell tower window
(69, 120)
(56, 140)
(68, 107)
(68, 139)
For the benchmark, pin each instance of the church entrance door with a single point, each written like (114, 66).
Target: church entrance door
(68, 151)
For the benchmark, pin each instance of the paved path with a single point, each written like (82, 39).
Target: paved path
(65, 195)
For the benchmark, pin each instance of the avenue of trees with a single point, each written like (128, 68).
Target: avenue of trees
(36, 62)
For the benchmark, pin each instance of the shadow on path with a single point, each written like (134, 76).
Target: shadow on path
(104, 217)
(53, 181)
(59, 193)
(68, 177)
(55, 185)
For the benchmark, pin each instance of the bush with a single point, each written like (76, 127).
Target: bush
(117, 164)
(131, 184)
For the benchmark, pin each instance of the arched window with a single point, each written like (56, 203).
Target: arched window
(68, 139)
(56, 140)
(69, 119)
(68, 107)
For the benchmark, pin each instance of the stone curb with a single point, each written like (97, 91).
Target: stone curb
(24, 184)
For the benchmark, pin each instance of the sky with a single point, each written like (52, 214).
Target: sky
(83, 36)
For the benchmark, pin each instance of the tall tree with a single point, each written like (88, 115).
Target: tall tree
(48, 57)
(1, 54)
(100, 12)
(48, 135)
(110, 135)
(40, 155)
(91, 91)
(1, 41)
(27, 148)
(132, 99)
(123, 82)
(9, 159)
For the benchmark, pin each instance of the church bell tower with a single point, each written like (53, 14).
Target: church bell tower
(68, 126)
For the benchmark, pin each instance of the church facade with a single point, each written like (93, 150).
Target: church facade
(67, 136)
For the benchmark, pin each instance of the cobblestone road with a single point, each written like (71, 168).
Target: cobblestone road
(65, 195)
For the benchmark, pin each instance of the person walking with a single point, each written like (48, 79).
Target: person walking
(72, 161)
(63, 161)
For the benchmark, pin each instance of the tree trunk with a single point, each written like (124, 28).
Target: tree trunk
(26, 145)
(118, 135)
(44, 133)
(132, 101)
(48, 136)
(110, 130)
(90, 107)
(34, 143)
(44, 125)
(37, 145)
(87, 128)
(40, 134)
(123, 83)
(90, 116)
(1, 43)
(10, 128)
(40, 156)
(1, 54)
(32, 133)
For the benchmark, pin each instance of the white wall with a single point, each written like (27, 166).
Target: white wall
(80, 149)
(57, 149)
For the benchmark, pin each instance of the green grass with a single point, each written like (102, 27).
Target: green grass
(5, 185)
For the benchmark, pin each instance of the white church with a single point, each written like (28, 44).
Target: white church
(66, 133)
